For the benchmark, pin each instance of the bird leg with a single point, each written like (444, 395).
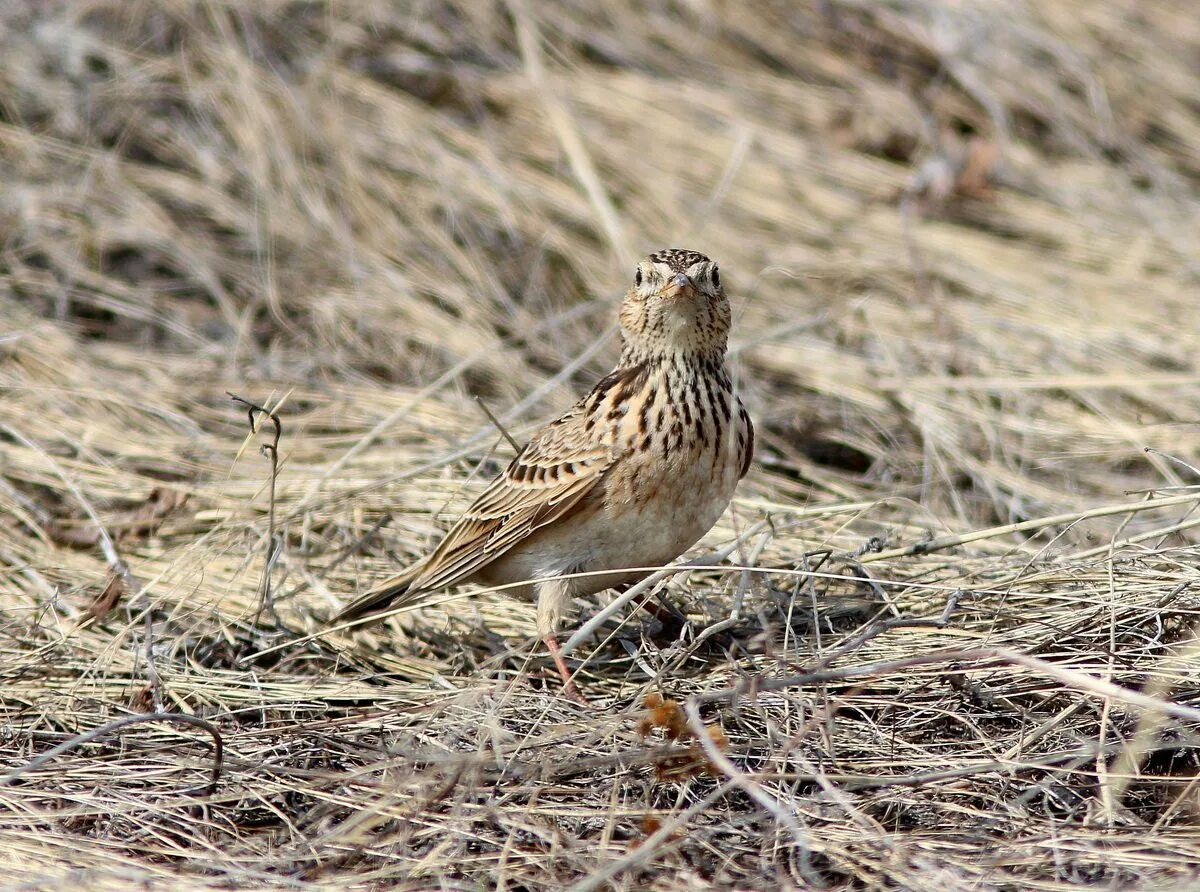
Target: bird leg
(552, 597)
(569, 685)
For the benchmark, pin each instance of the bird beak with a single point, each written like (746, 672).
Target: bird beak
(679, 284)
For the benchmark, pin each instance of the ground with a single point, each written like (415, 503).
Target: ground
(955, 637)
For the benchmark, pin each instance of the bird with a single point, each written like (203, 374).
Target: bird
(629, 477)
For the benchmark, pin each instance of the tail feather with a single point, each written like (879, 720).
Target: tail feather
(394, 592)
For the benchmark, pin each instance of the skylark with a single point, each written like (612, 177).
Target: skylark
(630, 476)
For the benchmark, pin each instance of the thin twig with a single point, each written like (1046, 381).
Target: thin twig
(342, 556)
(271, 450)
(1037, 523)
(650, 846)
(725, 765)
(156, 685)
(877, 628)
(1174, 459)
(496, 421)
(107, 546)
(1149, 725)
(439, 384)
(1075, 679)
(751, 560)
(585, 631)
(116, 725)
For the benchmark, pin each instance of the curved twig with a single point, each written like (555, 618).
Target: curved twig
(96, 733)
(271, 450)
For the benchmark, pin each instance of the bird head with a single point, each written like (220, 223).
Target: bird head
(676, 306)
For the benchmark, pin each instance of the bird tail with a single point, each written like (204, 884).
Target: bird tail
(394, 592)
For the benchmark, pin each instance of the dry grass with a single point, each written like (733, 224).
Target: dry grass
(962, 239)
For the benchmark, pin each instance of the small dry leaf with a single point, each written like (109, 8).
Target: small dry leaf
(664, 714)
(718, 736)
(114, 588)
(975, 179)
(72, 537)
(651, 824)
(140, 521)
(142, 700)
(669, 716)
(144, 519)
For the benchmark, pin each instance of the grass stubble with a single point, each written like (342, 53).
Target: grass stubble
(951, 638)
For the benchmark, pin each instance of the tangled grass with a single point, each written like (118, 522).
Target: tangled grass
(954, 644)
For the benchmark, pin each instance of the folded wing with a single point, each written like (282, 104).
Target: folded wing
(542, 485)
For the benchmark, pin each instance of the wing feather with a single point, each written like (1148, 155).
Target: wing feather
(519, 502)
(543, 484)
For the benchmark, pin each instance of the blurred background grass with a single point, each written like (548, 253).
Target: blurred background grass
(962, 240)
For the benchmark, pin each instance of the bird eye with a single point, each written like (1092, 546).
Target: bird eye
(637, 277)
(716, 277)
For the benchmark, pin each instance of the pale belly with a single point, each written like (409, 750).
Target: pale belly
(648, 512)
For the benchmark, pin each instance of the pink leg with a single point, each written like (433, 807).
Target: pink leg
(568, 682)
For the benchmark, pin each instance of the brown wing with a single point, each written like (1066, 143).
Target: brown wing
(745, 440)
(542, 485)
(556, 469)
